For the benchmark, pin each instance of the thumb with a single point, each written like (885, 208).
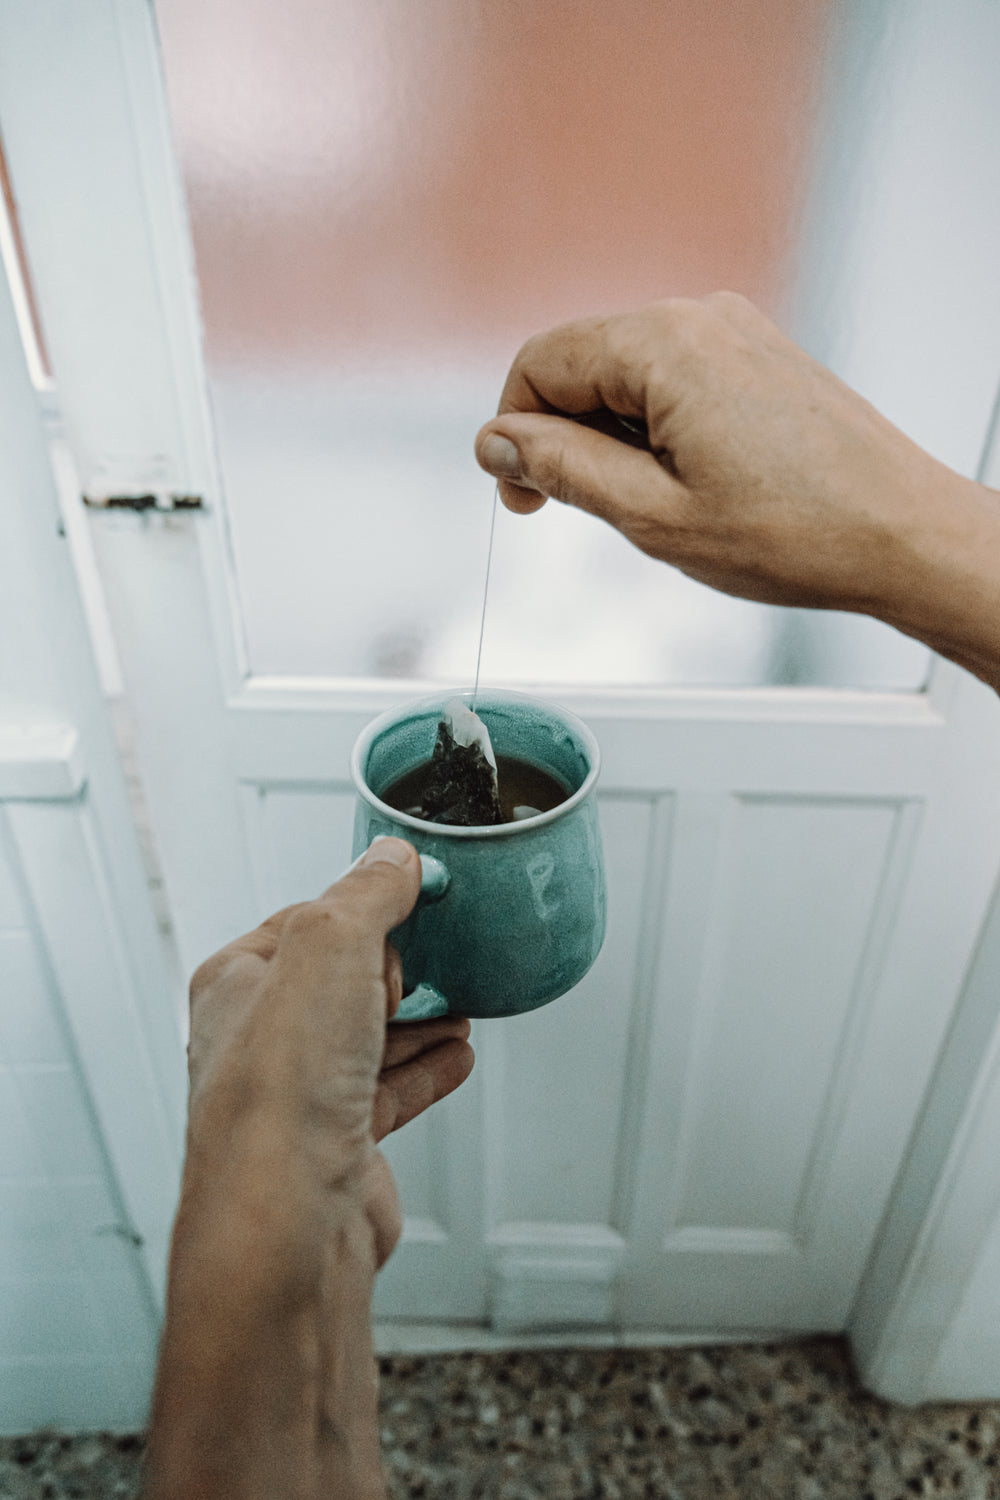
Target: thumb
(534, 455)
(383, 884)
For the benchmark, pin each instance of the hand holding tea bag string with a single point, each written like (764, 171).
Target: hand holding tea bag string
(761, 474)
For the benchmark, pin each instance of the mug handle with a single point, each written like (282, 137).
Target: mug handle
(435, 878)
(421, 1004)
(425, 1002)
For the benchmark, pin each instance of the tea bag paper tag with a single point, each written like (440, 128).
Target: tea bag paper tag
(467, 728)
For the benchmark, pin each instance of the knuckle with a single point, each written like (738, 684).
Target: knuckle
(667, 311)
(675, 338)
(519, 392)
(314, 922)
(530, 349)
(698, 330)
(691, 319)
(548, 471)
(725, 301)
(620, 338)
(208, 973)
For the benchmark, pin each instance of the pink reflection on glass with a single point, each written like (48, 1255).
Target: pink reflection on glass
(386, 177)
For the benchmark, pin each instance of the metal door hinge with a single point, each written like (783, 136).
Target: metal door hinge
(158, 500)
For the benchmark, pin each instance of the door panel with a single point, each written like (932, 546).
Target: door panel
(301, 837)
(780, 921)
(558, 1131)
(792, 907)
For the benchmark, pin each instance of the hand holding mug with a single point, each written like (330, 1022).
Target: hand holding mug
(266, 1382)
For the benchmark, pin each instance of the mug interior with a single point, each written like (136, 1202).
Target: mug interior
(523, 728)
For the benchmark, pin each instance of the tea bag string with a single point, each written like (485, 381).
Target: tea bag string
(486, 591)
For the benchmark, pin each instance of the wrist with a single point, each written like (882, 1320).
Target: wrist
(947, 580)
(256, 1197)
(250, 1113)
(267, 1380)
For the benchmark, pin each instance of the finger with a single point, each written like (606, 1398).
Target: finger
(336, 944)
(262, 941)
(499, 457)
(406, 1091)
(384, 881)
(408, 1039)
(588, 364)
(382, 1207)
(637, 365)
(393, 976)
(625, 486)
(571, 370)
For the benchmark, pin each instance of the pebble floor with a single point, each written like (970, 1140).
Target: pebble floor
(771, 1422)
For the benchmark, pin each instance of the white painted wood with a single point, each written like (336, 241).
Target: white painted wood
(156, 599)
(301, 839)
(571, 1290)
(967, 1364)
(91, 1058)
(38, 760)
(401, 1337)
(57, 848)
(77, 1315)
(557, 1156)
(30, 1033)
(13, 922)
(438, 1271)
(109, 308)
(50, 688)
(925, 1321)
(707, 1134)
(850, 1096)
(83, 877)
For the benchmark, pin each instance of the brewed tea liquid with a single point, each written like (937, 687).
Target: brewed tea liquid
(519, 783)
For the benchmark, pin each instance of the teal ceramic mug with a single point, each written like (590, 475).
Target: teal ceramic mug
(509, 917)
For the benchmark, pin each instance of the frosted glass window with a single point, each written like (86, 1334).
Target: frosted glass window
(387, 197)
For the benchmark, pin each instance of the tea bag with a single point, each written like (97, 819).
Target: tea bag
(462, 782)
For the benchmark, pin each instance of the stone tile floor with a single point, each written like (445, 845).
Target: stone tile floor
(764, 1422)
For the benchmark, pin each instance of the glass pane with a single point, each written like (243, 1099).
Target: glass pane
(387, 198)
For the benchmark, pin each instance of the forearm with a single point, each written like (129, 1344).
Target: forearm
(266, 1387)
(266, 1384)
(945, 587)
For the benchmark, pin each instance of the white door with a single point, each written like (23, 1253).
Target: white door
(704, 1135)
